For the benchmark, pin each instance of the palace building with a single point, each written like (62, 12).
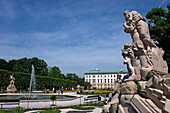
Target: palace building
(103, 79)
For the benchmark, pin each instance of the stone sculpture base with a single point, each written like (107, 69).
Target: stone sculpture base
(11, 89)
(153, 98)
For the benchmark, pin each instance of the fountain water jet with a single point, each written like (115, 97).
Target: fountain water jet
(32, 80)
(32, 86)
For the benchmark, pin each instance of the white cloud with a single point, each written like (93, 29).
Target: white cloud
(102, 53)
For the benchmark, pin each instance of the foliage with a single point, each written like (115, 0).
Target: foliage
(148, 76)
(3, 64)
(24, 65)
(22, 81)
(80, 81)
(56, 73)
(17, 109)
(151, 73)
(139, 88)
(82, 108)
(50, 82)
(52, 110)
(14, 110)
(53, 97)
(100, 91)
(159, 24)
(21, 69)
(2, 111)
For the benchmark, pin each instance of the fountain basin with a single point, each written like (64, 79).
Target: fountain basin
(37, 97)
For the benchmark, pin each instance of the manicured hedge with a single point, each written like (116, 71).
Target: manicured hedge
(22, 81)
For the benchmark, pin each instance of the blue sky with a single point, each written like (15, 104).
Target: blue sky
(75, 35)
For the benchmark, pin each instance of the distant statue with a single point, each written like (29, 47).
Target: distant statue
(12, 80)
(11, 87)
(132, 65)
(143, 46)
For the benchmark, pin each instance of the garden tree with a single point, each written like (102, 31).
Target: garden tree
(11, 64)
(159, 26)
(3, 64)
(55, 72)
(21, 69)
(22, 65)
(41, 67)
(71, 76)
(25, 65)
(80, 81)
(22, 81)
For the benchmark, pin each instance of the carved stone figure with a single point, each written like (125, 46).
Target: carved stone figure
(132, 65)
(144, 48)
(11, 87)
(156, 90)
(12, 80)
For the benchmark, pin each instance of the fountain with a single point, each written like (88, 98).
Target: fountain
(32, 86)
(32, 80)
(33, 95)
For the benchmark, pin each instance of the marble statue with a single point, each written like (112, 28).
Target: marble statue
(11, 87)
(132, 65)
(144, 60)
(143, 46)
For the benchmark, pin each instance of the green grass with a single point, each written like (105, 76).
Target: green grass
(79, 107)
(54, 110)
(4, 111)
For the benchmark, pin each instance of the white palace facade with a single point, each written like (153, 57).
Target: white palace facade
(103, 79)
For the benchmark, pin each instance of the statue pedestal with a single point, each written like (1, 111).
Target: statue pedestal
(11, 88)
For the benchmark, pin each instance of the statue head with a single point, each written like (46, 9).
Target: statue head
(133, 17)
(127, 49)
(137, 16)
(128, 16)
(127, 46)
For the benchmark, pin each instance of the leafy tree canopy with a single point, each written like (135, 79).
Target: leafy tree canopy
(46, 77)
(55, 72)
(159, 24)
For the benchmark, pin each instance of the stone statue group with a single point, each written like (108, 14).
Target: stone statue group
(142, 57)
(142, 48)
